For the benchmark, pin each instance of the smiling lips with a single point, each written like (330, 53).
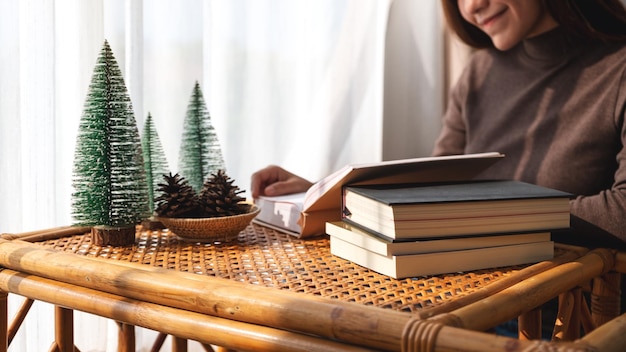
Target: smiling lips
(486, 21)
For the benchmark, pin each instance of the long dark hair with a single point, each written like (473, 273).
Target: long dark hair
(603, 20)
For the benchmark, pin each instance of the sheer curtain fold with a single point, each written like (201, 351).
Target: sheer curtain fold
(309, 85)
(414, 86)
(10, 123)
(305, 92)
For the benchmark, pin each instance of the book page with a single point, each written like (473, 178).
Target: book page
(281, 212)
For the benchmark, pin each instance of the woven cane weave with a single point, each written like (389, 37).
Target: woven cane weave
(267, 257)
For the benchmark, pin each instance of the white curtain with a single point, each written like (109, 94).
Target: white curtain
(309, 85)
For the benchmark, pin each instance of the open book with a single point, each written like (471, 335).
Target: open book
(322, 202)
(281, 213)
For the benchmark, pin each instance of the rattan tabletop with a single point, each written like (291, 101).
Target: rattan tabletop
(263, 256)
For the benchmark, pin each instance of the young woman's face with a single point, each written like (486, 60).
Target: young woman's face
(507, 22)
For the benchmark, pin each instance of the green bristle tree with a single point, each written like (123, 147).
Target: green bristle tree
(109, 180)
(154, 161)
(200, 153)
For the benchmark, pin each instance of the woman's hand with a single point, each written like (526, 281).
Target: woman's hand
(275, 181)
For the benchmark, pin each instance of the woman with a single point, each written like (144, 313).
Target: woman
(547, 89)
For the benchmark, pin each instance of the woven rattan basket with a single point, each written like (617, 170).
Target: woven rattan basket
(222, 228)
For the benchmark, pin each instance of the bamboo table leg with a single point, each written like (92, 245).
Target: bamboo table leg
(125, 337)
(529, 325)
(18, 319)
(4, 321)
(179, 344)
(605, 298)
(64, 329)
(158, 342)
(567, 326)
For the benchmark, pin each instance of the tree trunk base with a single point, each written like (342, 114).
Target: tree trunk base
(113, 236)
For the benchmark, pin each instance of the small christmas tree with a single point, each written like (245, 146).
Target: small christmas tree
(110, 189)
(154, 161)
(200, 153)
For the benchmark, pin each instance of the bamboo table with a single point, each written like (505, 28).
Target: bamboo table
(276, 292)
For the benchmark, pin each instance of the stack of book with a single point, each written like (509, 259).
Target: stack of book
(427, 229)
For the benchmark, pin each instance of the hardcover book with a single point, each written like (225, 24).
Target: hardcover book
(412, 265)
(455, 209)
(322, 202)
(389, 247)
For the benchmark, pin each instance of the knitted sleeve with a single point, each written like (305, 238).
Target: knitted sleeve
(602, 216)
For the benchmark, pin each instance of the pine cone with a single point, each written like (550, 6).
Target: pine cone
(219, 197)
(177, 199)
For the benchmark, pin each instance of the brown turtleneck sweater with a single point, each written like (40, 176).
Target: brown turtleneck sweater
(556, 108)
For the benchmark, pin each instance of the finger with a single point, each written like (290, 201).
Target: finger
(260, 179)
(283, 187)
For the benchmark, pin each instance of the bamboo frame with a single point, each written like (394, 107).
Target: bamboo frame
(214, 296)
(568, 318)
(46, 234)
(286, 319)
(524, 274)
(566, 253)
(18, 319)
(524, 296)
(207, 329)
(608, 337)
(158, 342)
(174, 321)
(4, 326)
(64, 329)
(125, 337)
(620, 262)
(187, 291)
(179, 344)
(605, 298)
(529, 325)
